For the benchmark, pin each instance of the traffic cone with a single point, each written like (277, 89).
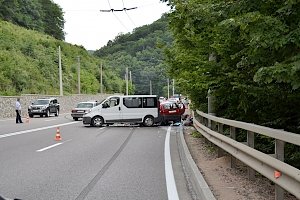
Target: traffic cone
(57, 136)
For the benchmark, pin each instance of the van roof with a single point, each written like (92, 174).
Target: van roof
(133, 96)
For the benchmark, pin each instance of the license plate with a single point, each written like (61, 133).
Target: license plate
(80, 111)
(35, 110)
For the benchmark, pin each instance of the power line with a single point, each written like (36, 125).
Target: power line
(112, 10)
(127, 14)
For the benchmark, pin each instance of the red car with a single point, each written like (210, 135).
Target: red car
(171, 112)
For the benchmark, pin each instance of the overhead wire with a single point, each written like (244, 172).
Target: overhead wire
(117, 16)
(127, 14)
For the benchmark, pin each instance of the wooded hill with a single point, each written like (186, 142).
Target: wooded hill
(40, 15)
(29, 65)
(142, 52)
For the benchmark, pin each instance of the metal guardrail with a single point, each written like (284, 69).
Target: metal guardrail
(283, 175)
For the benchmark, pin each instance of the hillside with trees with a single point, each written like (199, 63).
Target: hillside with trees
(247, 54)
(40, 15)
(29, 65)
(142, 53)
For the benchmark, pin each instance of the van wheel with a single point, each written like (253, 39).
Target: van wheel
(148, 121)
(97, 121)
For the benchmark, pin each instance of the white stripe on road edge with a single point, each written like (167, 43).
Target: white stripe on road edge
(170, 180)
(49, 147)
(36, 129)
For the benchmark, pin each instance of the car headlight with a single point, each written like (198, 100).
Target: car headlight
(44, 107)
(88, 111)
(29, 107)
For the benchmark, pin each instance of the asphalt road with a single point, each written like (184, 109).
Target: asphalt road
(115, 162)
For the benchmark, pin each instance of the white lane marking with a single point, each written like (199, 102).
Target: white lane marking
(170, 180)
(48, 120)
(51, 146)
(34, 130)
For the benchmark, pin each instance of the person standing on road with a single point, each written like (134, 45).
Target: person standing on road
(18, 111)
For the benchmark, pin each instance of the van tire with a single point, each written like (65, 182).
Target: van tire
(148, 121)
(97, 121)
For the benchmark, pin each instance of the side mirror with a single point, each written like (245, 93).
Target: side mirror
(104, 105)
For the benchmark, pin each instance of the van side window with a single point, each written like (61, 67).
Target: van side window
(113, 101)
(132, 102)
(149, 102)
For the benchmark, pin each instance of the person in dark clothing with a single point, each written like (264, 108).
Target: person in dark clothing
(18, 111)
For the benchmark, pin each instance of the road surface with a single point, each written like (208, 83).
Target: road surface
(111, 162)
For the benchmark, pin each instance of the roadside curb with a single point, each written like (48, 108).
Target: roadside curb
(197, 181)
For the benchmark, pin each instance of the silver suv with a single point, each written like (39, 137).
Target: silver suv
(44, 107)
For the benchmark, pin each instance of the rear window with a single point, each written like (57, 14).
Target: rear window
(84, 105)
(149, 102)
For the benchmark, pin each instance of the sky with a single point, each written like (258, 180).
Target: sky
(85, 25)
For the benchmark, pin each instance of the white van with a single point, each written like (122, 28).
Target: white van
(142, 109)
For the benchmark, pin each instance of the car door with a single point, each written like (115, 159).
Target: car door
(111, 111)
(51, 106)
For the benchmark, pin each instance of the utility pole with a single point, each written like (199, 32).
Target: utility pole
(78, 59)
(126, 80)
(130, 78)
(173, 86)
(60, 72)
(150, 87)
(101, 79)
(168, 88)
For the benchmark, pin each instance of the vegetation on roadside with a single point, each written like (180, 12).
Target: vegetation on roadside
(29, 65)
(247, 53)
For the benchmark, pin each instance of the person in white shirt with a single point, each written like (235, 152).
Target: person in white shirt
(18, 111)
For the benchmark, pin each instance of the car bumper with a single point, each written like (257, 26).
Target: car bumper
(37, 112)
(167, 118)
(86, 120)
(78, 115)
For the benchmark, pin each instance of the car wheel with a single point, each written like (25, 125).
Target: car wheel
(30, 115)
(48, 113)
(41, 115)
(57, 113)
(75, 118)
(148, 121)
(97, 121)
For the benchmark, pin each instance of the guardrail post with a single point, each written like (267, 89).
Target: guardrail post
(233, 136)
(221, 152)
(250, 143)
(279, 154)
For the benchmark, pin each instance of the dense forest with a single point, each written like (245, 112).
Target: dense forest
(246, 53)
(29, 65)
(40, 15)
(142, 53)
